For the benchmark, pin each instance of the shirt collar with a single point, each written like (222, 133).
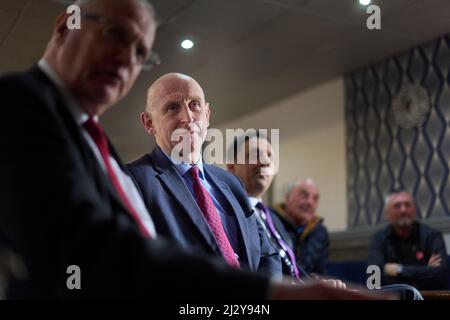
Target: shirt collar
(184, 167)
(79, 115)
(254, 201)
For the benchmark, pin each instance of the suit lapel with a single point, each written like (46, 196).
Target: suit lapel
(102, 180)
(89, 159)
(235, 208)
(174, 182)
(112, 190)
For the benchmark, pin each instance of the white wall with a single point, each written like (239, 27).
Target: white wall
(312, 144)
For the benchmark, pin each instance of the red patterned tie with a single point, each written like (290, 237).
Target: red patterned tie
(211, 215)
(98, 135)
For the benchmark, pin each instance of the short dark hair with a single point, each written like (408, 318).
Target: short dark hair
(240, 140)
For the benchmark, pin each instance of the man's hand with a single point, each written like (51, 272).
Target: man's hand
(336, 283)
(333, 282)
(322, 290)
(435, 260)
(391, 269)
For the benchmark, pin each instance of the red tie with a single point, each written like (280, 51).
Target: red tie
(98, 135)
(211, 215)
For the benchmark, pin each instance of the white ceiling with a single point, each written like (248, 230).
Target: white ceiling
(248, 53)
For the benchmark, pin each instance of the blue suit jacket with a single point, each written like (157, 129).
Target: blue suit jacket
(177, 215)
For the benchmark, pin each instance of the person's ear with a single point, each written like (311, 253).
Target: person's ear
(60, 28)
(147, 123)
(208, 113)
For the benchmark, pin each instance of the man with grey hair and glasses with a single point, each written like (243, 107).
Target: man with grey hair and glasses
(408, 251)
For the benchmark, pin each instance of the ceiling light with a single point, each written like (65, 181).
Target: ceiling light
(187, 44)
(364, 2)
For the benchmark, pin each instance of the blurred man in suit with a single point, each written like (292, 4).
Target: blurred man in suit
(408, 251)
(65, 198)
(200, 206)
(257, 175)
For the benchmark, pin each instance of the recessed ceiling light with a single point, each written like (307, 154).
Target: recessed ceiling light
(187, 44)
(365, 2)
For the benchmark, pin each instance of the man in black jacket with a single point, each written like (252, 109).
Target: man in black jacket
(408, 251)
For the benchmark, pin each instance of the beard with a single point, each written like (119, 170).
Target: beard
(404, 222)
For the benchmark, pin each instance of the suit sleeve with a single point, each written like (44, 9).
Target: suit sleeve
(53, 216)
(270, 261)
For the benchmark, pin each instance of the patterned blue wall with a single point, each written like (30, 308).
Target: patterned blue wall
(380, 154)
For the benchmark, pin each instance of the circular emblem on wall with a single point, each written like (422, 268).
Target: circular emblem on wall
(411, 106)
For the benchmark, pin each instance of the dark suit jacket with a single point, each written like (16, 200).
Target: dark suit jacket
(59, 209)
(286, 236)
(280, 225)
(177, 215)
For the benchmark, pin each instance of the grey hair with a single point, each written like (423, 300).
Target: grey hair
(291, 186)
(388, 197)
(295, 183)
(86, 4)
(239, 142)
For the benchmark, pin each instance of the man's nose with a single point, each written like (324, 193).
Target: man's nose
(186, 115)
(310, 201)
(263, 159)
(127, 55)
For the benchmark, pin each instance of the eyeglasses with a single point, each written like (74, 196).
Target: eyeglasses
(117, 33)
